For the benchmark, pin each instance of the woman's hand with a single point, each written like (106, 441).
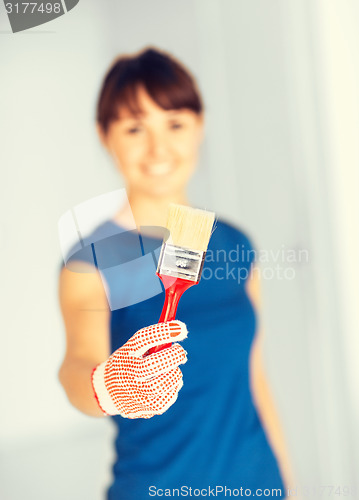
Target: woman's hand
(133, 385)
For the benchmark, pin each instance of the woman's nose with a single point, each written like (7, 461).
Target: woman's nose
(157, 145)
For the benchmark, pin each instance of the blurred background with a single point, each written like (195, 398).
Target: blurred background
(280, 82)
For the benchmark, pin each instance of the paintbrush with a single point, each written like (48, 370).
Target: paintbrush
(182, 255)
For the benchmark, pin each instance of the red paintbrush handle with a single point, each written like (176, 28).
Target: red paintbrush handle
(174, 289)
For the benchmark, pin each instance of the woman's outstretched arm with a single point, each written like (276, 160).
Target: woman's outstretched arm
(86, 316)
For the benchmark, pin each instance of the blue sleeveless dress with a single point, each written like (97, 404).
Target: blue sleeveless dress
(211, 437)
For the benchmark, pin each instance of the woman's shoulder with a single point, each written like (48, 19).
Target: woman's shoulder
(83, 249)
(232, 233)
(230, 245)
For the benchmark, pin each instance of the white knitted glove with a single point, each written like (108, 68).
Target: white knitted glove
(133, 385)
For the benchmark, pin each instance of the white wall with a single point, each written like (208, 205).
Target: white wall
(50, 161)
(273, 162)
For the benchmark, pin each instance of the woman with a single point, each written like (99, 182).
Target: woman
(211, 422)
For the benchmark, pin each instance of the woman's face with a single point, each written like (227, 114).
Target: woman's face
(157, 152)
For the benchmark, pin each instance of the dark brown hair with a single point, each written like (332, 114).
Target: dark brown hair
(166, 81)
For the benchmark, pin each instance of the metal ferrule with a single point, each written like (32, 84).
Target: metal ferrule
(180, 262)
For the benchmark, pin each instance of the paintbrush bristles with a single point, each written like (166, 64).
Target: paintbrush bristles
(189, 227)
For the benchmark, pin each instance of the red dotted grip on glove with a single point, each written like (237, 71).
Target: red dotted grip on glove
(174, 288)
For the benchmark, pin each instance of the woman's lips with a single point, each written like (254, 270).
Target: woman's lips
(158, 170)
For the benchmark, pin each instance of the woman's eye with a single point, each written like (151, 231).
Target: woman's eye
(134, 130)
(176, 125)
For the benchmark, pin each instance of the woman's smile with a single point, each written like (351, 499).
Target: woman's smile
(158, 169)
